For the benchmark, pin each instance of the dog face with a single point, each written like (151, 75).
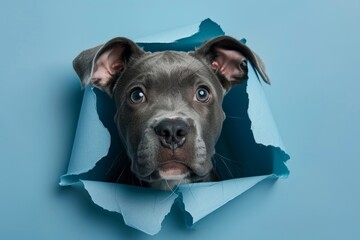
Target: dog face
(169, 104)
(169, 115)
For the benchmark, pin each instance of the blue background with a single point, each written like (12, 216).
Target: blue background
(311, 49)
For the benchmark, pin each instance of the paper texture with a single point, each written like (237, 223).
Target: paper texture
(248, 151)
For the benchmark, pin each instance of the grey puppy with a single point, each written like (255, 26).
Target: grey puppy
(169, 104)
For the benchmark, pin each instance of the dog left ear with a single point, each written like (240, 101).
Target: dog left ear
(229, 58)
(100, 66)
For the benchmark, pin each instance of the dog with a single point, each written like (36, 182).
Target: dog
(168, 104)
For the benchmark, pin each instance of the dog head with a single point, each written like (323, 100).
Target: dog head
(169, 104)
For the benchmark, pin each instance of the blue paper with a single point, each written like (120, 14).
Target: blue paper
(200, 199)
(248, 151)
(141, 208)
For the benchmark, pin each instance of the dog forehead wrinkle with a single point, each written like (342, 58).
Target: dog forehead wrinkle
(169, 62)
(168, 57)
(161, 59)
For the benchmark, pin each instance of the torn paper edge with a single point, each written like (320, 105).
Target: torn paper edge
(91, 139)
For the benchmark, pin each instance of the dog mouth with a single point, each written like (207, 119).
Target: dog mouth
(156, 163)
(170, 170)
(173, 170)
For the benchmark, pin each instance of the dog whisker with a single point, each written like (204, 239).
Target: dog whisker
(172, 191)
(118, 179)
(177, 186)
(227, 168)
(227, 159)
(234, 117)
(169, 187)
(168, 197)
(110, 168)
(112, 164)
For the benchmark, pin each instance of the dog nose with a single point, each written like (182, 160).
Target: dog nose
(172, 132)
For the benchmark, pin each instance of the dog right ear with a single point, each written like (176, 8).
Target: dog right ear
(101, 66)
(228, 58)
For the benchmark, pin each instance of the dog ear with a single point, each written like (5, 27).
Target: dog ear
(228, 58)
(100, 66)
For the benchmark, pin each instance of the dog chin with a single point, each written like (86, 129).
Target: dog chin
(170, 174)
(173, 170)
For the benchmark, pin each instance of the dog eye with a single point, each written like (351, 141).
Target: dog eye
(202, 94)
(137, 96)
